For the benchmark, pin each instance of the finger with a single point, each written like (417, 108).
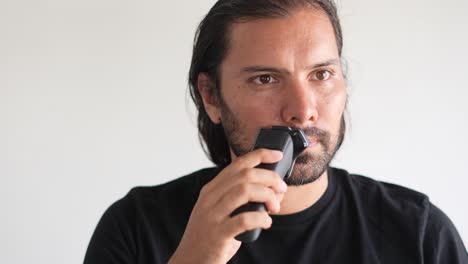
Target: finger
(228, 177)
(247, 221)
(263, 177)
(245, 193)
(280, 197)
(256, 157)
(247, 161)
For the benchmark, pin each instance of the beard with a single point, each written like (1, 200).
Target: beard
(308, 166)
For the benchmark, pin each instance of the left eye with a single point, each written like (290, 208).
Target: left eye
(264, 79)
(323, 75)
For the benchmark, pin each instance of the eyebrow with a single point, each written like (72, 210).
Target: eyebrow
(260, 68)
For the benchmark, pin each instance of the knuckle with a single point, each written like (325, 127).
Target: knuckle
(271, 206)
(241, 161)
(271, 192)
(200, 205)
(243, 220)
(204, 190)
(244, 189)
(279, 181)
(263, 152)
(248, 174)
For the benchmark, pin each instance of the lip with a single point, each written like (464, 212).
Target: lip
(312, 143)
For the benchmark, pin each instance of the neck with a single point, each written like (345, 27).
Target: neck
(298, 198)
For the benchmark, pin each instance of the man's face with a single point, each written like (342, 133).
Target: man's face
(284, 71)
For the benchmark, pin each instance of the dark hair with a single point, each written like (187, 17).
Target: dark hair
(211, 45)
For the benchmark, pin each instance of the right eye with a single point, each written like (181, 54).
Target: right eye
(264, 79)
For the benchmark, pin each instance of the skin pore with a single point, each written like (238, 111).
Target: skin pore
(284, 71)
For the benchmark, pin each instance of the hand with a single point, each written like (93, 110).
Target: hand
(209, 235)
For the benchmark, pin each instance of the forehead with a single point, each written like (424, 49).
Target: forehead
(304, 36)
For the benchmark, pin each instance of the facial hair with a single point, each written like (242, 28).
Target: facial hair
(308, 167)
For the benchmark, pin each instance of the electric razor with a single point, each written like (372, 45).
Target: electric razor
(290, 141)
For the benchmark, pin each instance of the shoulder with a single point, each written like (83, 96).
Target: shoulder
(380, 193)
(442, 240)
(188, 184)
(392, 216)
(152, 206)
(181, 190)
(391, 212)
(159, 211)
(158, 202)
(403, 216)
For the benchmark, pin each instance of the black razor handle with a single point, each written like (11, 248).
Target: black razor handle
(287, 140)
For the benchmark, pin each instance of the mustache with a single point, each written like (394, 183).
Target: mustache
(322, 136)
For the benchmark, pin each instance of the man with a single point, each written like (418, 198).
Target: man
(258, 64)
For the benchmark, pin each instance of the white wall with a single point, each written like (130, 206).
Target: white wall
(93, 102)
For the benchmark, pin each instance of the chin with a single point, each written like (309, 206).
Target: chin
(304, 174)
(308, 168)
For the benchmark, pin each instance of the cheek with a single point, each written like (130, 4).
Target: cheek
(333, 108)
(250, 111)
(258, 112)
(255, 109)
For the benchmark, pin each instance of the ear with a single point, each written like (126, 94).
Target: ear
(206, 88)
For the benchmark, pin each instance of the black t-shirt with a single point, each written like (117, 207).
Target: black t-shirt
(357, 220)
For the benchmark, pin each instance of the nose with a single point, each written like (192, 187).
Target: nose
(299, 107)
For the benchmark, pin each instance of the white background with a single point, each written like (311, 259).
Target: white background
(93, 101)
